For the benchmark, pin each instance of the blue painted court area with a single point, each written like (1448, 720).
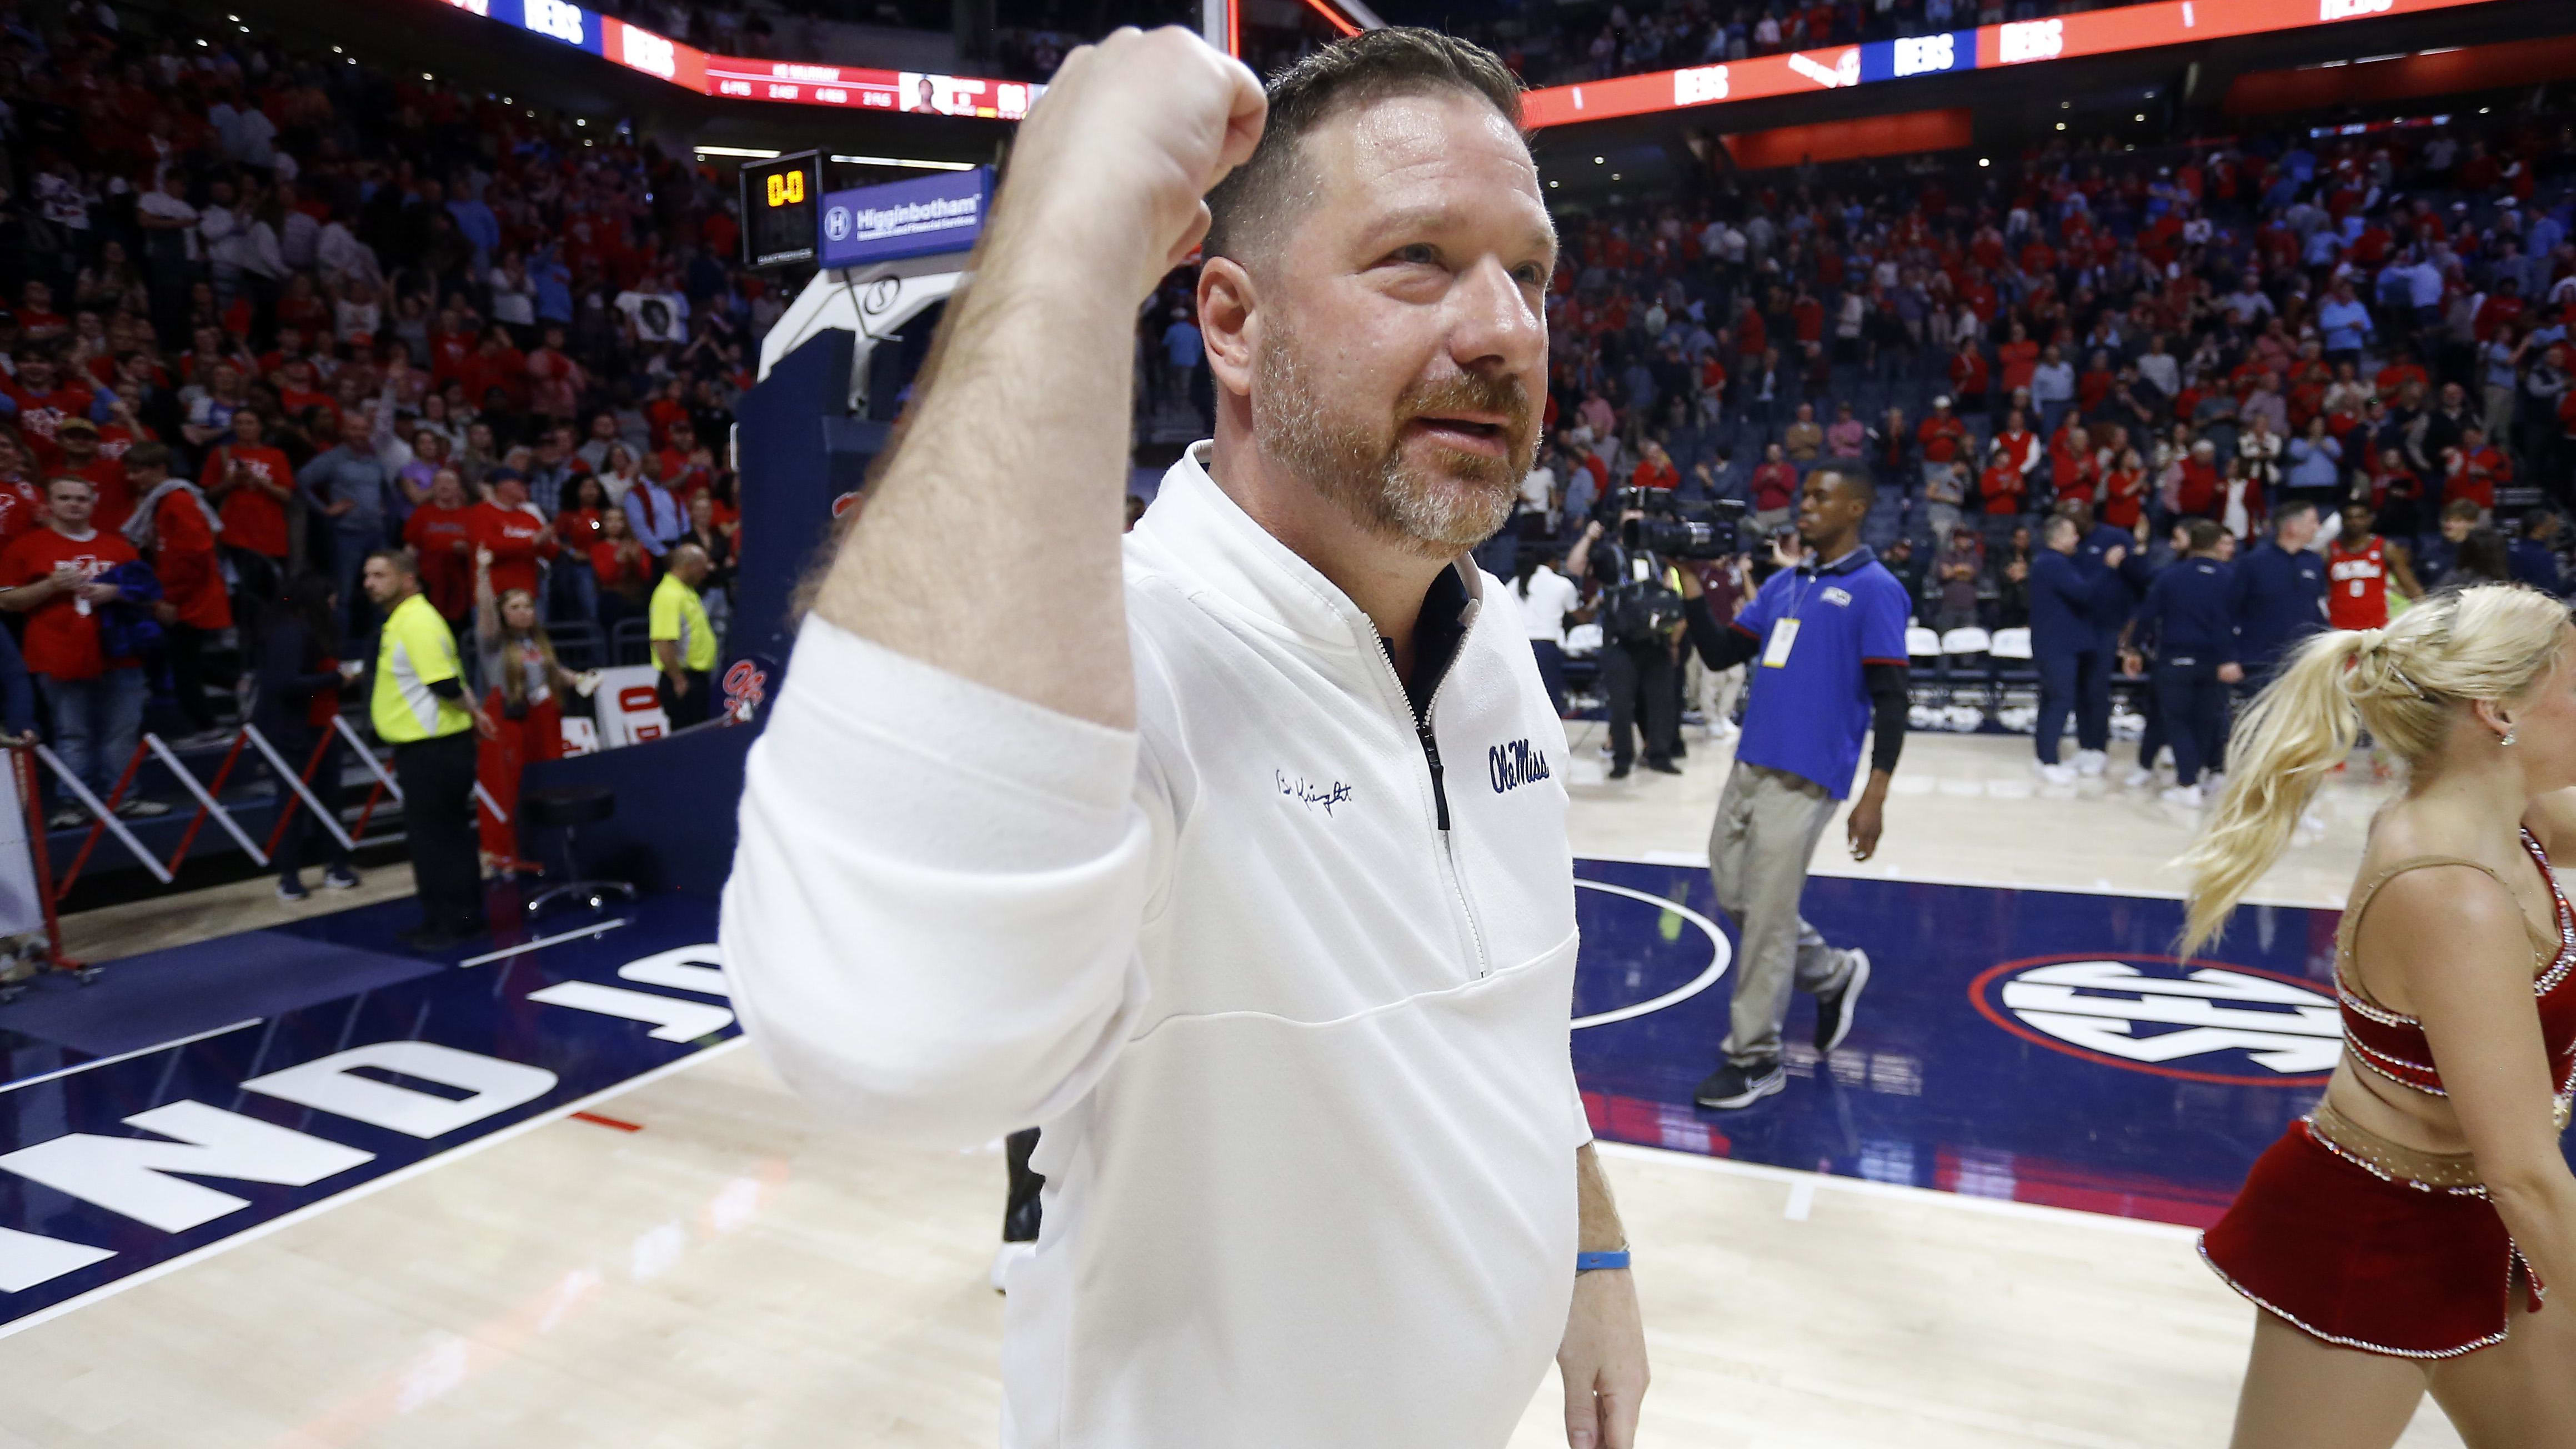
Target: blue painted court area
(324, 1058)
(2022, 1044)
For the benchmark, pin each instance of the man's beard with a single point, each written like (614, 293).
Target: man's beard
(1365, 473)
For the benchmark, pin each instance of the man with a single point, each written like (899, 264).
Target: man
(518, 537)
(2190, 613)
(1638, 617)
(351, 485)
(440, 534)
(174, 526)
(2065, 645)
(52, 574)
(684, 647)
(1830, 635)
(2280, 593)
(2361, 567)
(251, 484)
(2533, 552)
(419, 706)
(2116, 573)
(653, 515)
(1377, 1226)
(1943, 441)
(78, 440)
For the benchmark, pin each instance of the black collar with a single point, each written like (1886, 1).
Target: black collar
(1437, 633)
(1859, 557)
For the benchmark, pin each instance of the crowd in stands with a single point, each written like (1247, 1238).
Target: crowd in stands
(270, 311)
(1549, 45)
(2203, 331)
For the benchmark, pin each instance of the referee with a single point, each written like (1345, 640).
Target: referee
(420, 707)
(1830, 634)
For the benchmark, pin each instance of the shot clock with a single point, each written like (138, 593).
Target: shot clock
(780, 198)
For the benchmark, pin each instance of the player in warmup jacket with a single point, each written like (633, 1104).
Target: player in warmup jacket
(1239, 868)
(2280, 591)
(2190, 615)
(2361, 567)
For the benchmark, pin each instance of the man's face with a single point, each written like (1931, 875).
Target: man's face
(604, 428)
(80, 445)
(355, 426)
(70, 503)
(2357, 522)
(1827, 508)
(2298, 529)
(37, 373)
(2456, 529)
(382, 581)
(1398, 336)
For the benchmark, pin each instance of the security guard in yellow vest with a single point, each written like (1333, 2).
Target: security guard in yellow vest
(684, 646)
(421, 708)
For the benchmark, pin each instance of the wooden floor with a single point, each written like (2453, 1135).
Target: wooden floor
(736, 1272)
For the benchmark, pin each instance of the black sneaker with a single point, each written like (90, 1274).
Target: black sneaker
(69, 817)
(1618, 772)
(1834, 1008)
(1731, 1086)
(292, 892)
(1663, 767)
(340, 878)
(142, 809)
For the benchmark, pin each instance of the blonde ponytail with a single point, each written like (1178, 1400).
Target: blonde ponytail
(2408, 684)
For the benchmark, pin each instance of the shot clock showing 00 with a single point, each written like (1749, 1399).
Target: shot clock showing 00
(778, 199)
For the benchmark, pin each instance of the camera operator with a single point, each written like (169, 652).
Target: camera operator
(1829, 630)
(1641, 618)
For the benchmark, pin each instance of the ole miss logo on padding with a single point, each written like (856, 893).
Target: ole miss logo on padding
(2201, 1021)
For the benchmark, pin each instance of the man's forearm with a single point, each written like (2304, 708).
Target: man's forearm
(1600, 1231)
(1004, 484)
(666, 657)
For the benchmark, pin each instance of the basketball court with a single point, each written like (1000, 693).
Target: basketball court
(543, 1194)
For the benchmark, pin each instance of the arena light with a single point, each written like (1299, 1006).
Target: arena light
(754, 153)
(909, 162)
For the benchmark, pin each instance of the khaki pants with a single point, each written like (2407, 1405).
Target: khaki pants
(1768, 822)
(1715, 690)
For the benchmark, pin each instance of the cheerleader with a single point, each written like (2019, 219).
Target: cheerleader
(2402, 1236)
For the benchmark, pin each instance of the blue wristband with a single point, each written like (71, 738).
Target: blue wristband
(1589, 1262)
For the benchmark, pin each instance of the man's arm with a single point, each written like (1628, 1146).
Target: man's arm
(1603, 1356)
(1719, 647)
(947, 844)
(967, 515)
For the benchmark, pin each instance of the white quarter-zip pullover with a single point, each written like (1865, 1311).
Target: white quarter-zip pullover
(1291, 1004)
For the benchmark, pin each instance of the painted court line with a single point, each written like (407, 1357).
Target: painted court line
(1902, 1192)
(79, 1067)
(599, 928)
(365, 1189)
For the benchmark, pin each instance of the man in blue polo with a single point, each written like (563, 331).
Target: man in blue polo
(1828, 631)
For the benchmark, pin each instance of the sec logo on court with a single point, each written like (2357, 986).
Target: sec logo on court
(2199, 1021)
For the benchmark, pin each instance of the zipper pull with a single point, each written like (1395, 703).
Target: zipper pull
(1431, 754)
